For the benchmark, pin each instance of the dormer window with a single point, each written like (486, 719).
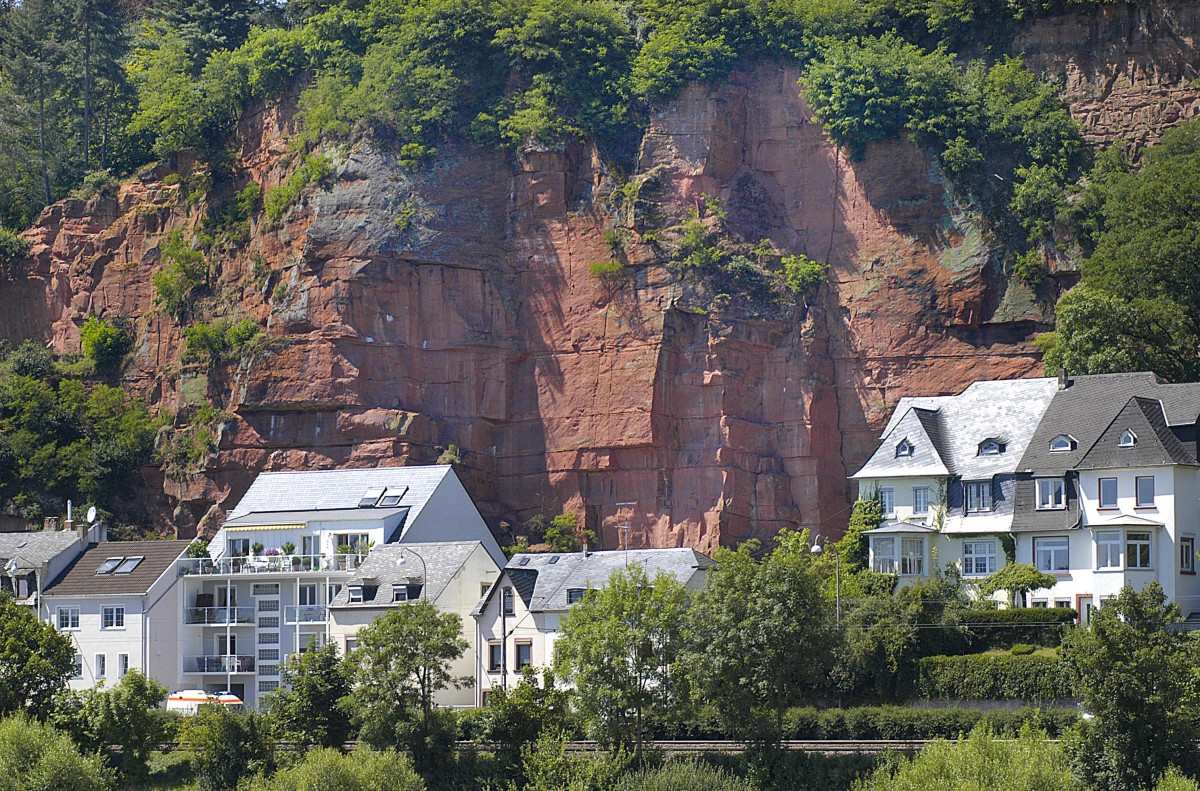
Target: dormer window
(1128, 439)
(904, 448)
(1062, 443)
(991, 447)
(354, 593)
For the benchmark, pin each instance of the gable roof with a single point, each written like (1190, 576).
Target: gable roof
(36, 548)
(543, 579)
(80, 578)
(338, 490)
(1155, 445)
(920, 427)
(1006, 410)
(1087, 406)
(401, 564)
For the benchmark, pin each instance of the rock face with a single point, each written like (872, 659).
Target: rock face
(405, 312)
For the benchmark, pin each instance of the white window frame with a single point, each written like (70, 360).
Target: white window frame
(72, 622)
(399, 592)
(1139, 551)
(1108, 550)
(1187, 554)
(1127, 439)
(912, 562)
(921, 500)
(77, 670)
(306, 596)
(1116, 493)
(887, 500)
(904, 448)
(117, 612)
(1047, 488)
(1069, 447)
(976, 491)
(884, 562)
(1053, 546)
(354, 594)
(1137, 491)
(122, 665)
(101, 665)
(975, 551)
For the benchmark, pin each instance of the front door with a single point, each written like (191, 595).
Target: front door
(1083, 604)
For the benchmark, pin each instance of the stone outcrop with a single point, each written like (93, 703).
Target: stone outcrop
(407, 312)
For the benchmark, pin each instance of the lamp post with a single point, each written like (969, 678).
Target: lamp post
(424, 568)
(817, 549)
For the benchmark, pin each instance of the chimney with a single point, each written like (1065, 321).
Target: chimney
(50, 523)
(1063, 381)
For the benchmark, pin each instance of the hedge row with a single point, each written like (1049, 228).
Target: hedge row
(903, 722)
(992, 677)
(1006, 628)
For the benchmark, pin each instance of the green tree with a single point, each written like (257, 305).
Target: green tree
(1138, 678)
(565, 534)
(747, 627)
(620, 648)
(517, 718)
(548, 767)
(35, 661)
(867, 514)
(1017, 579)
(328, 768)
(307, 708)
(226, 746)
(184, 270)
(981, 761)
(687, 775)
(401, 662)
(123, 723)
(35, 756)
(104, 342)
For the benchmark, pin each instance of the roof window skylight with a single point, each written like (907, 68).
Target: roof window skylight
(392, 497)
(128, 564)
(990, 447)
(108, 565)
(371, 496)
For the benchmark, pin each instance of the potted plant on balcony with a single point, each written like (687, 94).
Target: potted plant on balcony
(288, 548)
(256, 549)
(343, 556)
(198, 551)
(272, 555)
(361, 550)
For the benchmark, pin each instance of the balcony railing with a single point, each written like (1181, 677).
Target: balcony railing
(218, 616)
(218, 664)
(270, 564)
(305, 613)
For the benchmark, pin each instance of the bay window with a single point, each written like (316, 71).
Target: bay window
(1137, 549)
(1108, 549)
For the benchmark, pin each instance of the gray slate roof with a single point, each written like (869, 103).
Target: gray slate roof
(332, 490)
(1087, 407)
(35, 548)
(80, 578)
(1007, 410)
(1155, 446)
(384, 568)
(542, 579)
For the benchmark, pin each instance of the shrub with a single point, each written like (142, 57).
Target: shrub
(315, 169)
(904, 722)
(35, 756)
(98, 182)
(104, 343)
(329, 768)
(1030, 267)
(219, 341)
(14, 253)
(606, 273)
(802, 274)
(1022, 649)
(226, 746)
(686, 775)
(185, 268)
(1004, 628)
(31, 359)
(992, 677)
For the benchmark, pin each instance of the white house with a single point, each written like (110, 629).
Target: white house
(518, 619)
(452, 575)
(118, 603)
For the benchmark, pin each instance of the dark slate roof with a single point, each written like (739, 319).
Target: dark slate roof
(384, 568)
(1156, 445)
(542, 579)
(80, 578)
(1088, 405)
(36, 548)
(1028, 517)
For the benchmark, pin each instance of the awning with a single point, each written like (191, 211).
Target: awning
(252, 528)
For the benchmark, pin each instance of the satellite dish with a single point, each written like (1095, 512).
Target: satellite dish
(91, 515)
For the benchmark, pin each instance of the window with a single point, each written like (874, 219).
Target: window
(1062, 603)
(108, 565)
(575, 595)
(268, 622)
(887, 499)
(128, 565)
(495, 657)
(77, 671)
(268, 655)
(112, 617)
(1128, 439)
(101, 665)
(399, 593)
(1137, 550)
(904, 448)
(883, 555)
(991, 447)
(355, 593)
(506, 597)
(1187, 554)
(266, 589)
(1051, 554)
(392, 497)
(68, 618)
(310, 546)
(979, 496)
(920, 499)
(351, 644)
(358, 542)
(912, 557)
(333, 590)
(268, 670)
(1108, 492)
(1108, 549)
(238, 547)
(979, 558)
(1062, 443)
(122, 665)
(1038, 603)
(268, 605)
(1144, 488)
(267, 686)
(371, 496)
(1051, 493)
(268, 638)
(307, 595)
(524, 655)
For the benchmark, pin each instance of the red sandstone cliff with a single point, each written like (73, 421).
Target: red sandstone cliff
(475, 321)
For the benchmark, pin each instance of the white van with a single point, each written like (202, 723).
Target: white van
(189, 701)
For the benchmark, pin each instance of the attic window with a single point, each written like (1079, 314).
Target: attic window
(399, 593)
(904, 448)
(1128, 439)
(392, 497)
(523, 562)
(1062, 443)
(108, 565)
(575, 595)
(554, 560)
(371, 496)
(355, 593)
(991, 447)
(128, 565)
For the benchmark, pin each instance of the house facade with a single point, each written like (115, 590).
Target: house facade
(1093, 479)
(519, 617)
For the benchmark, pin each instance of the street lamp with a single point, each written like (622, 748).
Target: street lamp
(817, 549)
(424, 568)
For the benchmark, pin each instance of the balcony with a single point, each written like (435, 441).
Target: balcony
(218, 664)
(270, 564)
(219, 616)
(305, 613)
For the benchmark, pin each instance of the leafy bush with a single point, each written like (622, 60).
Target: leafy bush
(184, 269)
(219, 341)
(1022, 649)
(315, 170)
(226, 745)
(35, 756)
(1030, 267)
(802, 274)
(684, 775)
(902, 722)
(1003, 628)
(14, 252)
(104, 342)
(31, 359)
(98, 182)
(123, 723)
(992, 677)
(329, 768)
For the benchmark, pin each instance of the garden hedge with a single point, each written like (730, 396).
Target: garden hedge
(904, 722)
(1005, 628)
(992, 677)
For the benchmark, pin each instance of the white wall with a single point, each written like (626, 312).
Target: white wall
(450, 515)
(904, 495)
